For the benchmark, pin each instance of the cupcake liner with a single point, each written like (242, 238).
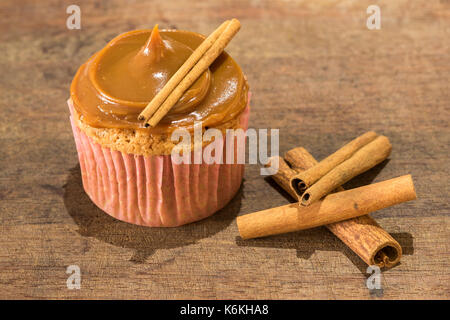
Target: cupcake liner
(153, 190)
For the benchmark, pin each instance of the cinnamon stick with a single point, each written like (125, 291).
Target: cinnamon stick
(156, 102)
(363, 235)
(333, 208)
(303, 180)
(364, 159)
(215, 45)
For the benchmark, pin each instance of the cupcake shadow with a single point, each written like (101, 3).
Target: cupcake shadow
(93, 222)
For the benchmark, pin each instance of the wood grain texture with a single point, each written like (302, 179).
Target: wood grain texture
(315, 71)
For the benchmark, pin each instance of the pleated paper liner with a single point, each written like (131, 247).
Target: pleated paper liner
(153, 190)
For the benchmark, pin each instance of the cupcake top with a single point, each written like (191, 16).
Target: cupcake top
(117, 83)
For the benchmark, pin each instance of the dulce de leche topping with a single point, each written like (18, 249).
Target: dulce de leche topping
(117, 83)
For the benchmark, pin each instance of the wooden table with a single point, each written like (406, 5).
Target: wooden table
(316, 72)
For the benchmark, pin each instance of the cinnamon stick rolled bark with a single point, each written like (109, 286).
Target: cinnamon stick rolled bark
(362, 160)
(195, 71)
(283, 175)
(303, 180)
(162, 95)
(363, 235)
(333, 208)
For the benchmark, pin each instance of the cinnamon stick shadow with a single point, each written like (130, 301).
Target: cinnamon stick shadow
(366, 177)
(144, 241)
(306, 242)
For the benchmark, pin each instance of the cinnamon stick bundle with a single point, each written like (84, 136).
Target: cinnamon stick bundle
(363, 235)
(362, 160)
(303, 180)
(333, 208)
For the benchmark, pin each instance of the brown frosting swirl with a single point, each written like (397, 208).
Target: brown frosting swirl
(116, 83)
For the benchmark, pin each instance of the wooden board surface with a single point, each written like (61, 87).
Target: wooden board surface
(316, 72)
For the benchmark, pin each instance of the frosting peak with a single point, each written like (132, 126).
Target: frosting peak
(153, 50)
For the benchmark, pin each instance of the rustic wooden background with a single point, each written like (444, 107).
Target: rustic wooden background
(316, 72)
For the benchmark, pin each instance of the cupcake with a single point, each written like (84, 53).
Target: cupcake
(128, 170)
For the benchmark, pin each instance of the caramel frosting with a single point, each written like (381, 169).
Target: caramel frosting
(117, 83)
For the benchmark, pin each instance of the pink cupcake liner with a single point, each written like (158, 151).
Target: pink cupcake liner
(154, 191)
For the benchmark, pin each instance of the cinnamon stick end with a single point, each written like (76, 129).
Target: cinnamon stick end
(298, 186)
(387, 256)
(306, 199)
